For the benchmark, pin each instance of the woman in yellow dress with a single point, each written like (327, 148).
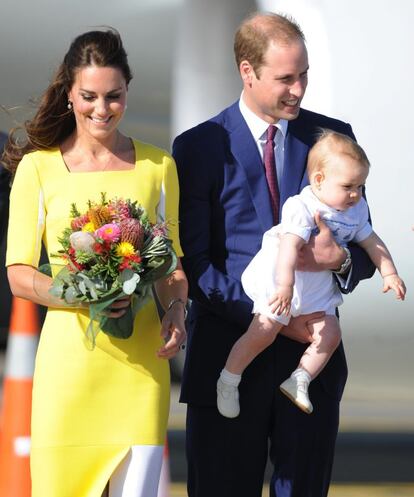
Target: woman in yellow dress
(98, 415)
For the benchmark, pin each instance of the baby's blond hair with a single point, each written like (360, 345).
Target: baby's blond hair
(333, 143)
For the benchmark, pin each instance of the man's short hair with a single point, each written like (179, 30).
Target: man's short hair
(255, 33)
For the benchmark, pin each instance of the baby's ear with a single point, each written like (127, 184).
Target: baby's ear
(316, 179)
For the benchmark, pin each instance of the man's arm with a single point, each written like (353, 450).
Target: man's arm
(208, 285)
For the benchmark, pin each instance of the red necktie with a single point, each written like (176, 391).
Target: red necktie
(270, 168)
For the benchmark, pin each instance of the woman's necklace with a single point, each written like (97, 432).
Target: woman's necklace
(79, 161)
(112, 154)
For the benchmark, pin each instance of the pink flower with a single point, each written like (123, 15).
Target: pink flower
(79, 222)
(109, 232)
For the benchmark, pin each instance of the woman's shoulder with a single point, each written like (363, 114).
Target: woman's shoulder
(38, 163)
(39, 157)
(151, 152)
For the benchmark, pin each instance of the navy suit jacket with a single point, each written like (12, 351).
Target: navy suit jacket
(224, 211)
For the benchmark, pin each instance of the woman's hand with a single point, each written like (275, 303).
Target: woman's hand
(173, 331)
(172, 293)
(119, 307)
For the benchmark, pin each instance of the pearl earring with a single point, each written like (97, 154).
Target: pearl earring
(70, 105)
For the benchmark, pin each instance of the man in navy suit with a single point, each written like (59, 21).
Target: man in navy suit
(225, 208)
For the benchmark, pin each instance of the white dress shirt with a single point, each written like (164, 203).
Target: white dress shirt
(258, 128)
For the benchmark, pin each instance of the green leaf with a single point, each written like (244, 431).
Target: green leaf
(74, 211)
(71, 295)
(82, 287)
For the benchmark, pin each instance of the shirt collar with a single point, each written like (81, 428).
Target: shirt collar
(257, 125)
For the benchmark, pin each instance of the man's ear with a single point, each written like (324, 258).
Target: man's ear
(246, 72)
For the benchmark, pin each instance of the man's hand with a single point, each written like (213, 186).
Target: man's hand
(322, 252)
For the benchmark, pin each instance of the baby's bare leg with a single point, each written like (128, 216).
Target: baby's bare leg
(326, 336)
(260, 334)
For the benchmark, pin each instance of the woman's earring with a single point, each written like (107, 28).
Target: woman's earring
(70, 107)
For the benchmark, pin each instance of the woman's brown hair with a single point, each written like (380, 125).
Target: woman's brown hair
(54, 122)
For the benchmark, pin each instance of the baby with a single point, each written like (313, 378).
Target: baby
(337, 170)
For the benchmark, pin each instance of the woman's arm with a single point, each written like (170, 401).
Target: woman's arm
(28, 283)
(172, 293)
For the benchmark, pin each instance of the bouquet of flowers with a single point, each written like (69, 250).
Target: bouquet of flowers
(110, 251)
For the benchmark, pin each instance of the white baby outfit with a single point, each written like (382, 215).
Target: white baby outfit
(313, 291)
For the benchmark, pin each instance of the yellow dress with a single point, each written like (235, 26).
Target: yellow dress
(90, 406)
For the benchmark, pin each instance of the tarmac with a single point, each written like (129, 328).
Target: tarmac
(371, 490)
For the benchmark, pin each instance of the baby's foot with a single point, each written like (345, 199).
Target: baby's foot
(227, 399)
(297, 391)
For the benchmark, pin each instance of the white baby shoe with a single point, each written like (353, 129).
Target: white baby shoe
(227, 399)
(297, 391)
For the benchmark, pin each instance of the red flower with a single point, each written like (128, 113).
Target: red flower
(135, 258)
(100, 248)
(128, 260)
(73, 261)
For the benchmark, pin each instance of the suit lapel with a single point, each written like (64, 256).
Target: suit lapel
(294, 170)
(244, 149)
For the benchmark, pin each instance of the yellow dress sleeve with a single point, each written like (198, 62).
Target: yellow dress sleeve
(27, 216)
(170, 195)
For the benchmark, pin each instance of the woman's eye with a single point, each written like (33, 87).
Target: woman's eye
(113, 97)
(88, 98)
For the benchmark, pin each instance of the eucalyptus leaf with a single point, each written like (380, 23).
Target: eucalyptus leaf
(56, 290)
(45, 269)
(130, 285)
(90, 285)
(126, 275)
(71, 295)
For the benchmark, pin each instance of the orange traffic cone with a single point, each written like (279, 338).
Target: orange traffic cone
(17, 400)
(165, 479)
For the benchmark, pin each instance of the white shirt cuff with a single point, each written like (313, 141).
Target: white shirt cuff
(344, 283)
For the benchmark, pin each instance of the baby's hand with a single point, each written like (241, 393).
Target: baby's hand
(281, 300)
(394, 282)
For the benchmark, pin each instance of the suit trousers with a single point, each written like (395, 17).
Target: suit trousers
(228, 457)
